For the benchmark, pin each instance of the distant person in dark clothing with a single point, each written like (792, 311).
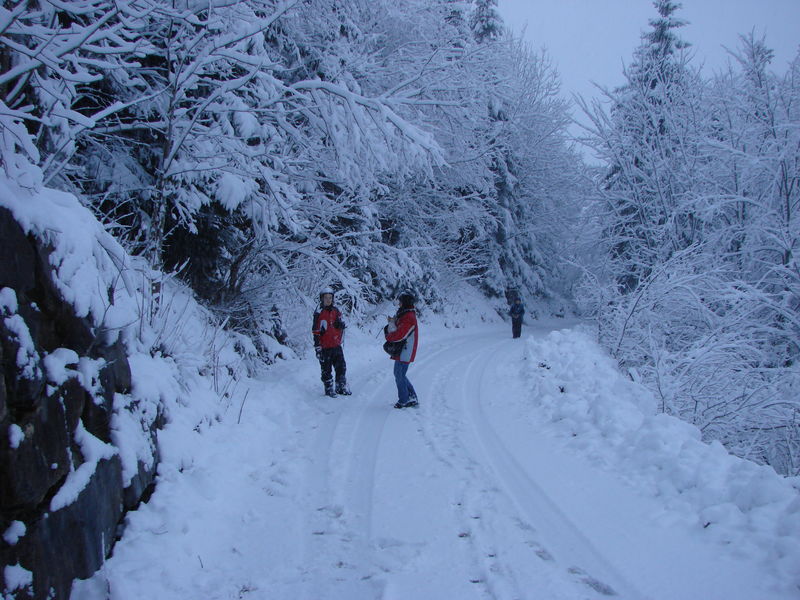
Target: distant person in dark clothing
(328, 331)
(517, 311)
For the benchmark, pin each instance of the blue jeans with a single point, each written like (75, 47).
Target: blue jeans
(404, 388)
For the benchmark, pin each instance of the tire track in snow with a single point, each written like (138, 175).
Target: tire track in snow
(365, 441)
(443, 426)
(509, 554)
(499, 509)
(569, 545)
(337, 534)
(340, 482)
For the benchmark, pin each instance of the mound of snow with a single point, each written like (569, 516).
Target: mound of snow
(579, 389)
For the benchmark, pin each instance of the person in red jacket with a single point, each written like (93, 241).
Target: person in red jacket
(328, 331)
(403, 327)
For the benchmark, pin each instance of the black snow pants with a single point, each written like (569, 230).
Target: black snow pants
(333, 358)
(516, 326)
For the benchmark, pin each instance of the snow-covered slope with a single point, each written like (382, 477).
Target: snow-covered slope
(75, 308)
(499, 485)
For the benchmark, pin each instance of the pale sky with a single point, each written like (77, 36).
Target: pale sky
(588, 40)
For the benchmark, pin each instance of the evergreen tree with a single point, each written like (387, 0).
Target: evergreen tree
(644, 186)
(485, 21)
(698, 293)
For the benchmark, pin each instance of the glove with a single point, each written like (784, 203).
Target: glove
(318, 352)
(339, 324)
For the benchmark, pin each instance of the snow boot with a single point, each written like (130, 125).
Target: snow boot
(329, 391)
(408, 404)
(343, 390)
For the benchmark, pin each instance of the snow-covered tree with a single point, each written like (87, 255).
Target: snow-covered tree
(696, 288)
(645, 142)
(485, 21)
(53, 55)
(370, 144)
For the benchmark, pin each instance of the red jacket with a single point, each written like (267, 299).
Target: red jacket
(326, 335)
(404, 328)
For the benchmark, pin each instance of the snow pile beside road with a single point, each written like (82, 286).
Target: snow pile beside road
(185, 368)
(176, 349)
(579, 389)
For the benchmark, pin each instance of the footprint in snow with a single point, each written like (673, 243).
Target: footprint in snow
(596, 585)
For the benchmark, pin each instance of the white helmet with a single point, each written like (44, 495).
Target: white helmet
(326, 290)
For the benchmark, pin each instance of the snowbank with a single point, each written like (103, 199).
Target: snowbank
(176, 348)
(577, 387)
(184, 367)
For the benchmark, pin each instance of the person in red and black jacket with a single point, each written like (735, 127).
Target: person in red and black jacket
(328, 331)
(403, 327)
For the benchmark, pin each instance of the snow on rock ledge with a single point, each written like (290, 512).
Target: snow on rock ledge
(93, 368)
(65, 317)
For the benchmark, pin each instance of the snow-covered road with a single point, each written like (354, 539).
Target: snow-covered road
(471, 495)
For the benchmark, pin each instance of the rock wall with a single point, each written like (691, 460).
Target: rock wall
(44, 418)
